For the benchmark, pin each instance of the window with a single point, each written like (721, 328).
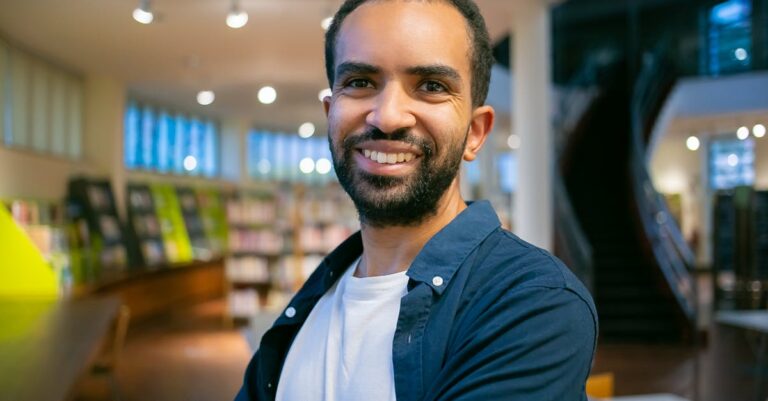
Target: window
(730, 37)
(40, 105)
(731, 163)
(164, 142)
(289, 158)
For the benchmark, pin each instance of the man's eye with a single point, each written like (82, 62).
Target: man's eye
(359, 83)
(433, 87)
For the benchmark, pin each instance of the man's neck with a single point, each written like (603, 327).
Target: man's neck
(388, 250)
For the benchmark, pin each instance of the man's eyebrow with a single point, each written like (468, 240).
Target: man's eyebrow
(437, 70)
(351, 67)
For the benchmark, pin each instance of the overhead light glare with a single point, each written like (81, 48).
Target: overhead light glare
(742, 133)
(758, 130)
(323, 166)
(306, 165)
(306, 130)
(190, 163)
(142, 14)
(205, 98)
(513, 141)
(237, 19)
(267, 95)
(692, 143)
(740, 54)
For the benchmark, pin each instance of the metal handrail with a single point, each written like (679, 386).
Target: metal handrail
(670, 250)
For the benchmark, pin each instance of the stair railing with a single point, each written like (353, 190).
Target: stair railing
(574, 102)
(672, 254)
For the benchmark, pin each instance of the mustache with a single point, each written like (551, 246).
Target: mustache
(401, 135)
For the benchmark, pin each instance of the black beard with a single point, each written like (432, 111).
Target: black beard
(411, 199)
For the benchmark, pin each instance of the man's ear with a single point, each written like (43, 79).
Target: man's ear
(479, 128)
(327, 105)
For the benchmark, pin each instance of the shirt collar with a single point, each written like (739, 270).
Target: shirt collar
(442, 255)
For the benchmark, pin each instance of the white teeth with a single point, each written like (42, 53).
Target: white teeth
(388, 158)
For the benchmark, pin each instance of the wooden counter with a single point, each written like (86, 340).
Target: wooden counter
(153, 292)
(45, 346)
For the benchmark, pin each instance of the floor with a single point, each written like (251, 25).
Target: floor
(190, 355)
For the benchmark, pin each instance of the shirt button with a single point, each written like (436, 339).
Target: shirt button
(290, 312)
(437, 281)
(269, 385)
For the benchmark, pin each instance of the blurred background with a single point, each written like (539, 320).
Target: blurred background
(166, 185)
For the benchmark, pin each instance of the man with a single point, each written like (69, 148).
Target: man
(431, 300)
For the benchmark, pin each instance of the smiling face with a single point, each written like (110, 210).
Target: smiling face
(401, 116)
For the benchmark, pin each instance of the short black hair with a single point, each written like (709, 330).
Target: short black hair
(480, 57)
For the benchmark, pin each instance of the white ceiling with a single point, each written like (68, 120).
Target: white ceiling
(189, 48)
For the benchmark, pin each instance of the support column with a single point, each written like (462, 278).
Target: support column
(531, 70)
(104, 108)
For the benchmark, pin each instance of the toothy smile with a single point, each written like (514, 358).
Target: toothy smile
(388, 158)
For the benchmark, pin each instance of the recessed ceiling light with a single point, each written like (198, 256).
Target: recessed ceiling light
(323, 166)
(205, 97)
(692, 143)
(267, 95)
(758, 130)
(190, 163)
(306, 165)
(740, 54)
(742, 133)
(513, 141)
(324, 94)
(306, 130)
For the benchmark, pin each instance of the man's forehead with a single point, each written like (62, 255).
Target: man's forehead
(430, 24)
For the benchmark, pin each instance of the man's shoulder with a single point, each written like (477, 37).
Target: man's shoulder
(514, 265)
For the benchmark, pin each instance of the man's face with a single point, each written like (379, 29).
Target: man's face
(401, 108)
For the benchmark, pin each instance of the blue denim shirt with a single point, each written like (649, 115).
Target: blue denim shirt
(487, 317)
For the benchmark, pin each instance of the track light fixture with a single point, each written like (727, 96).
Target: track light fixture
(143, 14)
(236, 18)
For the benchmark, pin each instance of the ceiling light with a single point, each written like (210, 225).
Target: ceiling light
(323, 166)
(513, 141)
(326, 23)
(324, 94)
(306, 165)
(692, 143)
(267, 95)
(142, 13)
(236, 18)
(742, 133)
(306, 130)
(740, 54)
(190, 163)
(205, 97)
(758, 130)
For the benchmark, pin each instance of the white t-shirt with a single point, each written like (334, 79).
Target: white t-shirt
(343, 352)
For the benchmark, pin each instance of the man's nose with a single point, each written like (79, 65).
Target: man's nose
(391, 110)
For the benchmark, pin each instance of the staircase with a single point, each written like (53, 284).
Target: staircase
(633, 299)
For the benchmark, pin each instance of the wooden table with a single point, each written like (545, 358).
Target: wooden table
(755, 321)
(45, 346)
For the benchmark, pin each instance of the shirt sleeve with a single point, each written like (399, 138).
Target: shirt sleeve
(534, 343)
